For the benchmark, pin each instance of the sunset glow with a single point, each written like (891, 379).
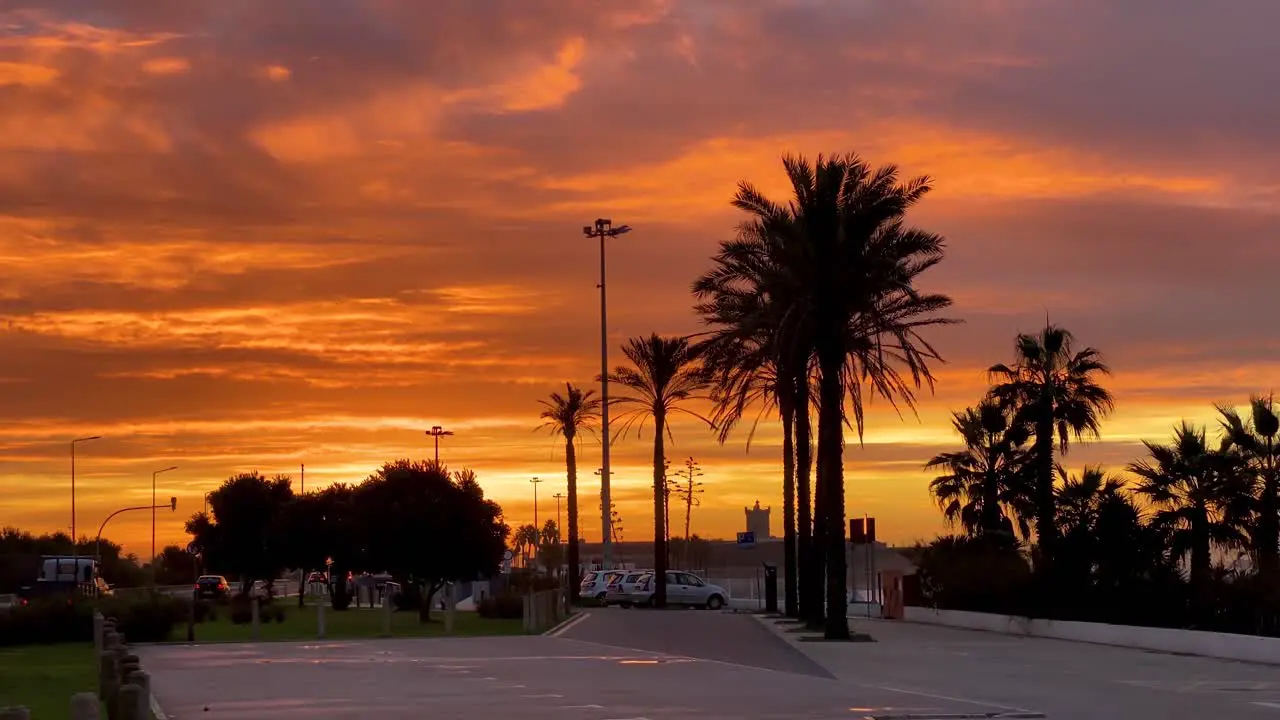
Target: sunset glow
(252, 236)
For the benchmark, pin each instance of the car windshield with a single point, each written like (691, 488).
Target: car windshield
(634, 578)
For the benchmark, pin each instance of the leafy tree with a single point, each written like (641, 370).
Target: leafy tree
(848, 266)
(1198, 492)
(984, 488)
(175, 566)
(241, 537)
(567, 416)
(1054, 390)
(664, 377)
(426, 527)
(1255, 439)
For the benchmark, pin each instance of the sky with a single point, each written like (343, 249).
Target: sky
(241, 235)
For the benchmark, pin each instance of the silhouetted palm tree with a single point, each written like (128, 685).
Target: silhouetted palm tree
(665, 376)
(985, 488)
(846, 268)
(1256, 441)
(1055, 391)
(1197, 492)
(567, 416)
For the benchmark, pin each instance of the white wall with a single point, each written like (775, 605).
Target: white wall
(1249, 648)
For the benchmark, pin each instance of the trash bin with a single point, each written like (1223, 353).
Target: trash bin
(770, 588)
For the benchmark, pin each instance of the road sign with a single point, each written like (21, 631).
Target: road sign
(746, 539)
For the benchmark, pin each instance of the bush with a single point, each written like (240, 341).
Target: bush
(206, 611)
(46, 621)
(275, 611)
(506, 607)
(241, 610)
(341, 599)
(409, 597)
(959, 573)
(148, 619)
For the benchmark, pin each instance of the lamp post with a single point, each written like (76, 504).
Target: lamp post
(557, 496)
(153, 519)
(97, 544)
(74, 550)
(604, 229)
(436, 432)
(535, 482)
(606, 530)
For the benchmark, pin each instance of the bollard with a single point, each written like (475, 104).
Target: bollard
(84, 706)
(108, 676)
(254, 605)
(450, 605)
(15, 713)
(386, 614)
(127, 703)
(320, 619)
(143, 681)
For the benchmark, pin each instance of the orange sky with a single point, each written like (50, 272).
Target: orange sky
(250, 235)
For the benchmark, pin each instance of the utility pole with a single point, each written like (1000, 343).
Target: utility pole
(606, 531)
(75, 552)
(303, 474)
(437, 432)
(535, 482)
(557, 496)
(153, 520)
(604, 229)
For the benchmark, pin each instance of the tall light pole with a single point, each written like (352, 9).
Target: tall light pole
(606, 530)
(75, 559)
(535, 482)
(604, 229)
(153, 519)
(557, 496)
(436, 432)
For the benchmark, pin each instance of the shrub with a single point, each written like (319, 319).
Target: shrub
(206, 611)
(277, 612)
(241, 611)
(409, 597)
(46, 621)
(148, 619)
(507, 607)
(341, 599)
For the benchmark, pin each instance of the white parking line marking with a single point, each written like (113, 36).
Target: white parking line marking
(1272, 705)
(557, 632)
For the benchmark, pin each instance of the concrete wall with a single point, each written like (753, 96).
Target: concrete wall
(1249, 648)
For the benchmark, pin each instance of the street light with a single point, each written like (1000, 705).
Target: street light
(557, 496)
(97, 543)
(436, 432)
(604, 229)
(153, 519)
(74, 550)
(535, 482)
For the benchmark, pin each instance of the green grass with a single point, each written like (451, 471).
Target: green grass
(348, 625)
(44, 677)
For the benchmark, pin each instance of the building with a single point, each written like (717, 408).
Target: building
(758, 522)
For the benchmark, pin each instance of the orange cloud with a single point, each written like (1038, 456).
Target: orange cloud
(166, 66)
(12, 73)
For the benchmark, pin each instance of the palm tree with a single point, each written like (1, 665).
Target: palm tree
(1254, 441)
(1197, 491)
(845, 265)
(665, 376)
(1055, 392)
(527, 538)
(986, 478)
(567, 416)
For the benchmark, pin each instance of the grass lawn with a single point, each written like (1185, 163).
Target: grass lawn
(348, 625)
(44, 677)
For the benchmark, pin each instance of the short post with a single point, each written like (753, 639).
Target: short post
(253, 603)
(191, 620)
(128, 701)
(320, 619)
(15, 713)
(99, 624)
(143, 681)
(84, 706)
(106, 675)
(528, 613)
(386, 613)
(449, 608)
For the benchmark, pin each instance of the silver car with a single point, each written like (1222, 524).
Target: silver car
(683, 589)
(595, 583)
(621, 591)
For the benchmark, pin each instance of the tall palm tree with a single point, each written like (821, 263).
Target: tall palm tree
(1256, 441)
(848, 265)
(567, 416)
(1197, 491)
(987, 477)
(1056, 393)
(665, 375)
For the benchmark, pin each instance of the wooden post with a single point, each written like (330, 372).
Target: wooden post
(320, 619)
(99, 623)
(253, 603)
(143, 681)
(386, 612)
(84, 706)
(106, 675)
(450, 607)
(128, 701)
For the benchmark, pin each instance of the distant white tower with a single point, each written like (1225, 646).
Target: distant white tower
(758, 521)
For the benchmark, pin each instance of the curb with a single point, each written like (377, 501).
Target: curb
(566, 624)
(156, 712)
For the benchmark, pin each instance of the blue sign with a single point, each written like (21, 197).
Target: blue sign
(746, 538)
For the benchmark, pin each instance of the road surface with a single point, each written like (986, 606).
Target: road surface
(642, 664)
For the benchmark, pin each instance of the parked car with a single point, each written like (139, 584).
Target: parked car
(682, 589)
(595, 584)
(212, 587)
(621, 591)
(317, 577)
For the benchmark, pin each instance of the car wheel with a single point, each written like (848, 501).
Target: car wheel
(715, 602)
(600, 599)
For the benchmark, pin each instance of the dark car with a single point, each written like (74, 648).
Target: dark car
(212, 587)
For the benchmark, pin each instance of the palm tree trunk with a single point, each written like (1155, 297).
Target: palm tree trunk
(831, 480)
(1046, 509)
(1268, 550)
(808, 543)
(790, 607)
(571, 465)
(1201, 563)
(659, 532)
(991, 525)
